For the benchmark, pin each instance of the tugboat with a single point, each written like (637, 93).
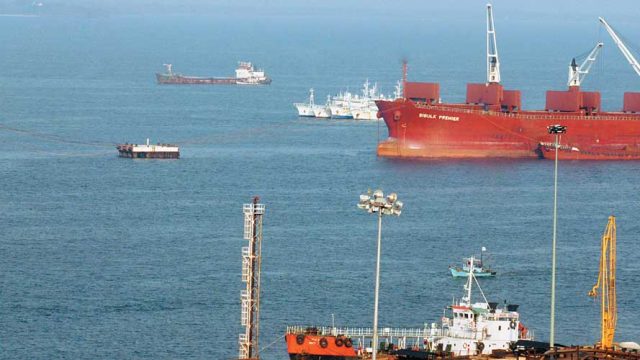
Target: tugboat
(480, 269)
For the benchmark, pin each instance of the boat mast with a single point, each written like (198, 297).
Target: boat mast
(493, 63)
(311, 102)
(578, 73)
(469, 284)
(627, 54)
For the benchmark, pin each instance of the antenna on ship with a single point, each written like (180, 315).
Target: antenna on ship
(493, 63)
(250, 297)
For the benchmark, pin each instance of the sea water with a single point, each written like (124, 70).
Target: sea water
(104, 257)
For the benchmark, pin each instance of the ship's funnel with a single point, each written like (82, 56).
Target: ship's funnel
(512, 307)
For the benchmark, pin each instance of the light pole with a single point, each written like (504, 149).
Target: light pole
(557, 130)
(383, 206)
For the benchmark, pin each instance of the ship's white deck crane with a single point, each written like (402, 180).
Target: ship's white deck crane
(169, 68)
(627, 54)
(493, 63)
(578, 73)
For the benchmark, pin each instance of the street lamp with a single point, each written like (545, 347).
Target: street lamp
(556, 130)
(389, 205)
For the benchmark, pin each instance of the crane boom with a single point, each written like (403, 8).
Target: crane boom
(578, 73)
(623, 48)
(607, 284)
(493, 63)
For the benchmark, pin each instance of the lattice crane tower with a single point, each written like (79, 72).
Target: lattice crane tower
(250, 297)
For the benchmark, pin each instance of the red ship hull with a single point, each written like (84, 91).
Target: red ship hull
(312, 346)
(420, 130)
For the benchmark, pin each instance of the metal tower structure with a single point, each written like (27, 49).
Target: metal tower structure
(607, 286)
(250, 297)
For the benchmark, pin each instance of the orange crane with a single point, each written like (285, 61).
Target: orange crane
(607, 285)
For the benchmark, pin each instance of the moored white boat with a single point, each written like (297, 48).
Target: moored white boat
(340, 106)
(322, 111)
(365, 113)
(306, 109)
(365, 108)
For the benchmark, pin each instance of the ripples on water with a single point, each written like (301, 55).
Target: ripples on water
(113, 258)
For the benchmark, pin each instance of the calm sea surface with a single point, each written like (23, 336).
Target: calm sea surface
(105, 257)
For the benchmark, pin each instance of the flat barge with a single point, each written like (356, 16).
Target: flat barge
(148, 151)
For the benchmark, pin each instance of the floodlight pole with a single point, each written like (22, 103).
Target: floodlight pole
(383, 206)
(556, 130)
(377, 289)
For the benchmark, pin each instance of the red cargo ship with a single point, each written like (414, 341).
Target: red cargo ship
(491, 123)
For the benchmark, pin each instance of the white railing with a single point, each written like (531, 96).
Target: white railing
(360, 332)
(243, 352)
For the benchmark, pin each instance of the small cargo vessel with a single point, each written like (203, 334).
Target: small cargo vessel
(246, 74)
(148, 151)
